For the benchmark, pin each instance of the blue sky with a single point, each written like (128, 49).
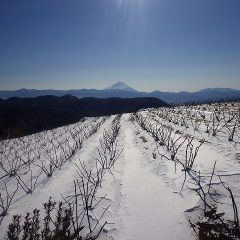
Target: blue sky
(168, 45)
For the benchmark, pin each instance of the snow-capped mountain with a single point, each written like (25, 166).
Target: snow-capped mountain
(120, 86)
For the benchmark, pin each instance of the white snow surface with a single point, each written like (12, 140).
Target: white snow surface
(148, 208)
(143, 191)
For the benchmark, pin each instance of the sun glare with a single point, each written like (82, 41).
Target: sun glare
(130, 2)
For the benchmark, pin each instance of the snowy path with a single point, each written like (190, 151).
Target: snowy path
(149, 209)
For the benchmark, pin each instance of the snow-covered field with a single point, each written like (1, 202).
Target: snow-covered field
(157, 174)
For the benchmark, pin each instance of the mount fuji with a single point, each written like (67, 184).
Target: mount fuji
(121, 86)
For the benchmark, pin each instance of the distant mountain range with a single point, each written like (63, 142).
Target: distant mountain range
(122, 90)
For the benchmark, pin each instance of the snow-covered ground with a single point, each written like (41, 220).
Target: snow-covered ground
(147, 192)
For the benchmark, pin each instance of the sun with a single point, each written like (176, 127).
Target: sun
(130, 2)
